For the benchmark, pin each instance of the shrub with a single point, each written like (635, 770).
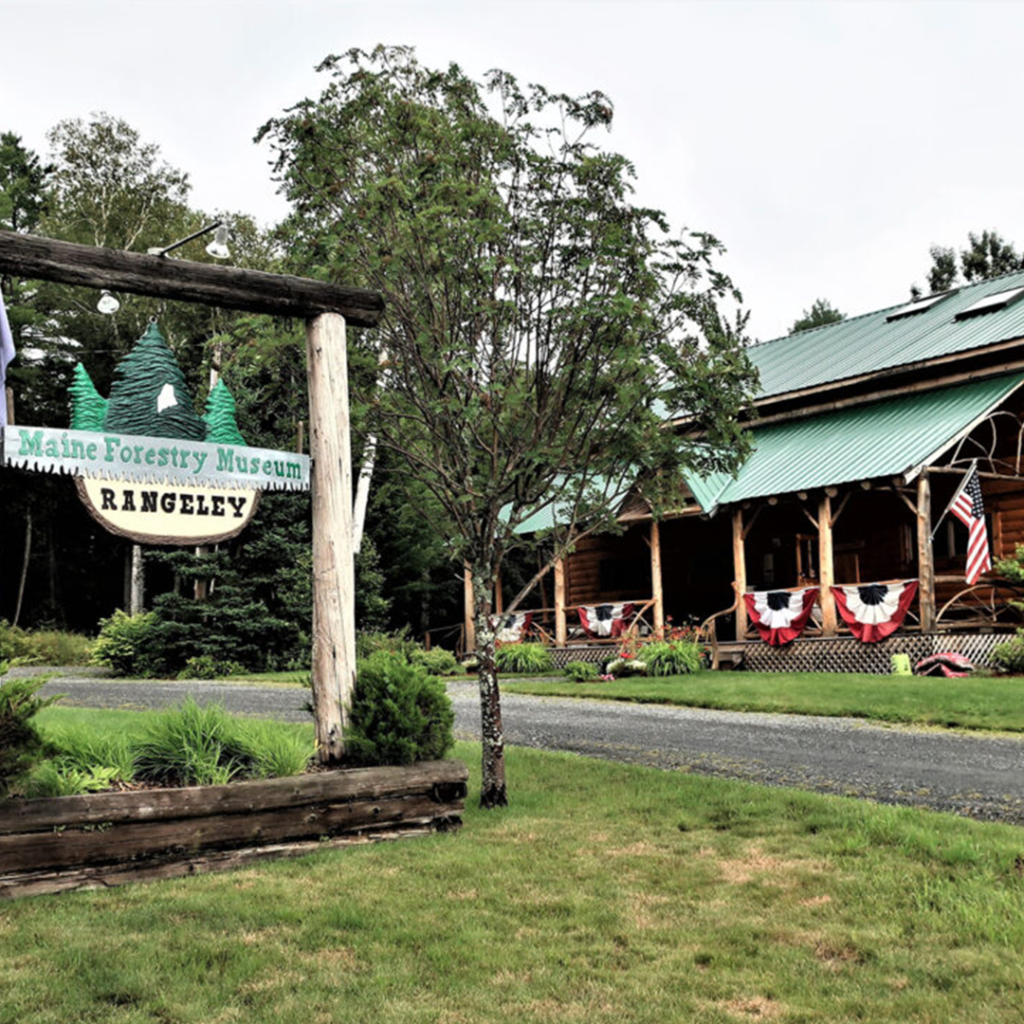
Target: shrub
(125, 643)
(55, 647)
(400, 714)
(673, 658)
(581, 671)
(437, 662)
(206, 666)
(369, 643)
(523, 658)
(21, 746)
(1009, 657)
(271, 750)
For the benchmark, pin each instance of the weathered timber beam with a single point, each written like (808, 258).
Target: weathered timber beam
(253, 291)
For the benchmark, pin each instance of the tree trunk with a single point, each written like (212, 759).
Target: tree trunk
(138, 586)
(24, 565)
(492, 736)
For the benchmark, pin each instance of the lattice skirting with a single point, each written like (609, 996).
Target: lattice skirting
(597, 654)
(844, 654)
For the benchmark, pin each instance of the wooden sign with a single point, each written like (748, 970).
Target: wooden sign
(168, 513)
(147, 466)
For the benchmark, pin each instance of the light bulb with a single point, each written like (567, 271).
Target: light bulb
(218, 248)
(107, 304)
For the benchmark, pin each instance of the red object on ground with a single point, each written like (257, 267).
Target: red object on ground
(948, 664)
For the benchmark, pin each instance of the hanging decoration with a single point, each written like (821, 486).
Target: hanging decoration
(780, 615)
(873, 611)
(511, 628)
(605, 620)
(147, 466)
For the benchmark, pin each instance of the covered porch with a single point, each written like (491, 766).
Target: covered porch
(843, 498)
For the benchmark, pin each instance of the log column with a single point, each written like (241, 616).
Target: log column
(925, 561)
(469, 610)
(826, 567)
(656, 588)
(560, 628)
(334, 631)
(739, 571)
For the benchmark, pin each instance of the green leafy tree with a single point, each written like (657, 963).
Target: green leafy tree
(538, 322)
(985, 256)
(821, 313)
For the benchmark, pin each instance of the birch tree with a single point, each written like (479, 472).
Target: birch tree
(539, 325)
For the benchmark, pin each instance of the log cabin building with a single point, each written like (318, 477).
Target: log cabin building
(862, 432)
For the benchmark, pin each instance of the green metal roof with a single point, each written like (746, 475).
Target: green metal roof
(865, 344)
(884, 438)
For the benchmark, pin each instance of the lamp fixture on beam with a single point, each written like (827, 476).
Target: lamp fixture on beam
(108, 303)
(218, 248)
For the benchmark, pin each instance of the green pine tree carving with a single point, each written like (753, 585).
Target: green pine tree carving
(88, 406)
(149, 394)
(221, 427)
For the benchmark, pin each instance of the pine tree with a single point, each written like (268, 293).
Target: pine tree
(149, 396)
(221, 427)
(88, 406)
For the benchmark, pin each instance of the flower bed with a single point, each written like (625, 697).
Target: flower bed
(103, 839)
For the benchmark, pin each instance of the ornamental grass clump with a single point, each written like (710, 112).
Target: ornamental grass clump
(204, 746)
(523, 658)
(400, 714)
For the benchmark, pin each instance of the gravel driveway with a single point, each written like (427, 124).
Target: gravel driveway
(979, 776)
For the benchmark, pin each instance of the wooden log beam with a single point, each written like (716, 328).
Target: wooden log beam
(656, 587)
(561, 632)
(162, 277)
(826, 566)
(739, 571)
(55, 814)
(334, 625)
(925, 559)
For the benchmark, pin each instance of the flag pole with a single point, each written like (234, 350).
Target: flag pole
(956, 494)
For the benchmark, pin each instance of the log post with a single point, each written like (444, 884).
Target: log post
(739, 571)
(334, 639)
(656, 588)
(925, 561)
(469, 611)
(826, 567)
(560, 629)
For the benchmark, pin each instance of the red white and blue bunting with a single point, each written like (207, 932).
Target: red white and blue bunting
(874, 610)
(780, 615)
(605, 620)
(510, 629)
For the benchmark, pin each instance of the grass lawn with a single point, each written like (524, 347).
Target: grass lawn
(993, 704)
(606, 893)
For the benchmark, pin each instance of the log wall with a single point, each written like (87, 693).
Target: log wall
(106, 838)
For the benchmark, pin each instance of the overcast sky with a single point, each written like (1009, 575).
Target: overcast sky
(828, 145)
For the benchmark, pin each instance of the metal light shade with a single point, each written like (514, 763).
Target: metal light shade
(107, 304)
(218, 248)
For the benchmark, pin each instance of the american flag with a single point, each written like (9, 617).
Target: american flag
(968, 508)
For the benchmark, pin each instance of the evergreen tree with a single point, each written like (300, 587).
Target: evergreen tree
(88, 406)
(221, 427)
(149, 396)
